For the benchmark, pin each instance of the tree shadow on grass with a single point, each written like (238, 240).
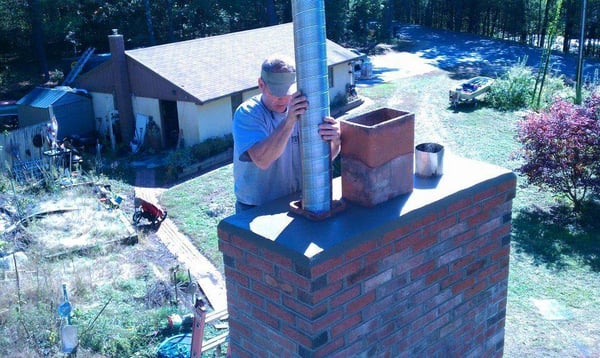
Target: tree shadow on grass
(556, 237)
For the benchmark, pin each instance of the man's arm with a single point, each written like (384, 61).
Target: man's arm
(265, 152)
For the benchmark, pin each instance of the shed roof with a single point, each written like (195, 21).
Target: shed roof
(213, 67)
(41, 97)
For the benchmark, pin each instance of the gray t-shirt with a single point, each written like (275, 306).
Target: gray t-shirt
(253, 122)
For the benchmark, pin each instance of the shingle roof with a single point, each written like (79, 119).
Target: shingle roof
(213, 67)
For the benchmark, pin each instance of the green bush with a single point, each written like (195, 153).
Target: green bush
(514, 90)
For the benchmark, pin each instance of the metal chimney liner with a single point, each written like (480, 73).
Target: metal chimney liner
(311, 72)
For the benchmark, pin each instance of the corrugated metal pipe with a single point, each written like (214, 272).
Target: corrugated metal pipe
(312, 79)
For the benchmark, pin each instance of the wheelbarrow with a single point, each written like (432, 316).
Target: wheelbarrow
(152, 213)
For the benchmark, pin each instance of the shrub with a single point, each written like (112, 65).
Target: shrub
(513, 90)
(561, 148)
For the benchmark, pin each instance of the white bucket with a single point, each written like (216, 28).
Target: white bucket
(429, 159)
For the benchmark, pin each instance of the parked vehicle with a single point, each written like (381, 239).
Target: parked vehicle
(470, 91)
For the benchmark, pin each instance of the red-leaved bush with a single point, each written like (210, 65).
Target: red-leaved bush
(561, 148)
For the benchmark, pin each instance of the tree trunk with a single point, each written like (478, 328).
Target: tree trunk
(37, 38)
(148, 12)
(270, 12)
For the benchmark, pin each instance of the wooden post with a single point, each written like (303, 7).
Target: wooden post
(198, 328)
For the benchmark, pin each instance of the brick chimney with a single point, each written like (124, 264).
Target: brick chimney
(424, 274)
(122, 86)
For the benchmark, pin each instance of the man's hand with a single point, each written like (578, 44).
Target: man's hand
(330, 132)
(297, 106)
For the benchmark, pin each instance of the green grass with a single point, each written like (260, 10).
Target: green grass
(553, 255)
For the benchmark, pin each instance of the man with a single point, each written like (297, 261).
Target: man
(266, 150)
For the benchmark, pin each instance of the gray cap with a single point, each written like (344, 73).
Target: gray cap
(280, 83)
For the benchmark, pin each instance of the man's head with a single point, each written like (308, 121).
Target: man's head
(277, 82)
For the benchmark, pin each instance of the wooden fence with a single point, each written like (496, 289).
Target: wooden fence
(23, 145)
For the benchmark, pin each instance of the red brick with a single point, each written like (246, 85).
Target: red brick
(463, 285)
(360, 250)
(462, 263)
(360, 331)
(483, 195)
(345, 296)
(327, 291)
(261, 264)
(326, 322)
(294, 279)
(442, 224)
(279, 260)
(496, 201)
(493, 246)
(346, 325)
(450, 256)
(267, 292)
(476, 266)
(423, 320)
(329, 348)
(464, 237)
(397, 233)
(438, 323)
(422, 270)
(408, 241)
(231, 251)
(344, 271)
(237, 277)
(265, 318)
(296, 336)
(475, 290)
(501, 232)
(278, 311)
(302, 309)
(378, 280)
(382, 309)
(362, 274)
(359, 303)
(476, 220)
(460, 204)
(251, 297)
(503, 253)
(453, 231)
(427, 293)
(378, 255)
(409, 264)
(452, 279)
(327, 266)
(437, 275)
(489, 226)
(469, 212)
(223, 234)
(507, 185)
(243, 243)
(252, 272)
(425, 243)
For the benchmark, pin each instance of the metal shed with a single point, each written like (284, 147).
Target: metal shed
(72, 108)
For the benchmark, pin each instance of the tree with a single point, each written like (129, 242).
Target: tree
(561, 149)
(37, 36)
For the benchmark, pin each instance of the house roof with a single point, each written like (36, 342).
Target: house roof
(213, 67)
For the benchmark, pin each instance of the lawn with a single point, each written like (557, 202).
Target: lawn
(554, 264)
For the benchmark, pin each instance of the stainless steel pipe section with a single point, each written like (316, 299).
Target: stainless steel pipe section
(312, 78)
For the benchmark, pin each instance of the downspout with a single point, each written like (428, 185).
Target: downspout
(312, 79)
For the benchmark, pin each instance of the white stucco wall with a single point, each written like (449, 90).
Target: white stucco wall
(341, 77)
(149, 107)
(103, 105)
(215, 120)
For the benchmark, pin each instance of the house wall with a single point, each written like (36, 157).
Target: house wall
(104, 105)
(341, 78)
(149, 107)
(200, 122)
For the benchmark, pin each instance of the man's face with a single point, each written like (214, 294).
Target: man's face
(273, 103)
